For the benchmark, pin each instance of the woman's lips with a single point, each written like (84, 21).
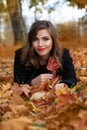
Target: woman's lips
(41, 49)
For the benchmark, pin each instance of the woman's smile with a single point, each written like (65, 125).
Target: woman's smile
(41, 49)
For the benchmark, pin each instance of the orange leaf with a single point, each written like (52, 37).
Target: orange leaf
(52, 64)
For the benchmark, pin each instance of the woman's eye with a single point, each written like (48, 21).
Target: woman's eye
(45, 39)
(35, 39)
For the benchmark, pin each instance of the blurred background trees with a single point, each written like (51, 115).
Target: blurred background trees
(14, 10)
(14, 25)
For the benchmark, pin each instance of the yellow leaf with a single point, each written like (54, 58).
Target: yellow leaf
(16, 124)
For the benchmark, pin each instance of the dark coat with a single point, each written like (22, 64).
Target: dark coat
(24, 75)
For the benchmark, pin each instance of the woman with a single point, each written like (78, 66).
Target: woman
(30, 64)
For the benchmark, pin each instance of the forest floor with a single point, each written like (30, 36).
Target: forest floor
(59, 109)
(6, 51)
(75, 43)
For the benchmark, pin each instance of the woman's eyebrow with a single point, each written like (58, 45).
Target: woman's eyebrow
(46, 36)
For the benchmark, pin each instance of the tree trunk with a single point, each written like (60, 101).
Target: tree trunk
(13, 9)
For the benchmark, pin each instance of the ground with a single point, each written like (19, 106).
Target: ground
(6, 51)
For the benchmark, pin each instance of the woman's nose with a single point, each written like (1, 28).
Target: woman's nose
(40, 43)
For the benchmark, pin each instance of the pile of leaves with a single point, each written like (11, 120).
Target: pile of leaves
(6, 69)
(43, 107)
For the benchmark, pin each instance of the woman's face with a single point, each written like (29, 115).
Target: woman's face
(43, 43)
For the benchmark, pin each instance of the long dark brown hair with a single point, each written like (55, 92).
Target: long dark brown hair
(29, 56)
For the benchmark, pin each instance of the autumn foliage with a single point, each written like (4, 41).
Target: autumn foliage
(42, 107)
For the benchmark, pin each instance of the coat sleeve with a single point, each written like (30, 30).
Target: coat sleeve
(19, 71)
(68, 74)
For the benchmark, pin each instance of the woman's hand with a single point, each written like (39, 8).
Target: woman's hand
(59, 85)
(41, 78)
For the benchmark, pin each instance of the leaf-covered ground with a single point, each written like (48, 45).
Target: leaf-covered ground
(23, 107)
